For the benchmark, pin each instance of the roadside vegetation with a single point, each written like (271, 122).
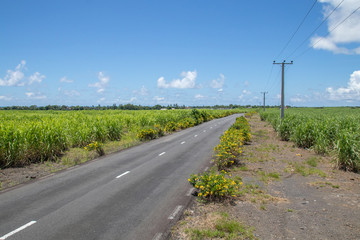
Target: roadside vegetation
(281, 190)
(37, 136)
(218, 186)
(334, 131)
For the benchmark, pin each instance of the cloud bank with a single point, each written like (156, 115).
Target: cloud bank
(351, 92)
(188, 81)
(101, 84)
(340, 35)
(218, 83)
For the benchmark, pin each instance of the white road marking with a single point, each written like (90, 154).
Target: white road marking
(162, 153)
(207, 168)
(210, 127)
(190, 192)
(204, 130)
(195, 136)
(157, 236)
(175, 212)
(183, 142)
(123, 174)
(17, 230)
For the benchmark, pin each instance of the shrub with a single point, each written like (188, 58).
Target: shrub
(230, 147)
(95, 146)
(215, 187)
(170, 127)
(147, 134)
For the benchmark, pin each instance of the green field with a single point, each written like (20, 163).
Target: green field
(35, 136)
(334, 131)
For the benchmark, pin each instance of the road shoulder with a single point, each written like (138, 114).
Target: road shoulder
(288, 193)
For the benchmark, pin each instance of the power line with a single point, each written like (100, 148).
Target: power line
(328, 32)
(297, 29)
(267, 82)
(316, 28)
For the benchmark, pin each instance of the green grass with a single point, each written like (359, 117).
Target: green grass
(312, 161)
(306, 171)
(225, 228)
(266, 177)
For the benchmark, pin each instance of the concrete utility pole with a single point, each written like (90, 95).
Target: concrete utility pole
(264, 99)
(282, 86)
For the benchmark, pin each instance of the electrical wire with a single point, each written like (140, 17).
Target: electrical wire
(267, 82)
(316, 28)
(297, 29)
(328, 32)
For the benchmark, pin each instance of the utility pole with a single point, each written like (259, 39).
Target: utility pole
(282, 86)
(264, 99)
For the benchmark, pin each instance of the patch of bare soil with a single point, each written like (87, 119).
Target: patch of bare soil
(289, 193)
(11, 177)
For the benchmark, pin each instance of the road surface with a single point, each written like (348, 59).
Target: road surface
(137, 193)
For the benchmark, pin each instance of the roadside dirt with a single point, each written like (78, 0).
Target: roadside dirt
(289, 193)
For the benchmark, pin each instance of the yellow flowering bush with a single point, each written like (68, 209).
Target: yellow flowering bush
(243, 125)
(95, 146)
(229, 149)
(147, 134)
(186, 123)
(215, 187)
(170, 127)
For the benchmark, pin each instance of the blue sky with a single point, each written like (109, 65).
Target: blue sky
(178, 52)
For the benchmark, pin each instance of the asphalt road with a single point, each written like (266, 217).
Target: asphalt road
(134, 194)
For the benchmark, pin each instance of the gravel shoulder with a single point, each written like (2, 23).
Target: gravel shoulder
(289, 193)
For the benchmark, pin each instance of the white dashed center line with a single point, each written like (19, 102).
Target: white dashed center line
(182, 142)
(195, 136)
(17, 230)
(204, 130)
(123, 174)
(162, 153)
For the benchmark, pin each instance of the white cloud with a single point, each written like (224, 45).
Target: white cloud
(346, 33)
(71, 93)
(199, 96)
(103, 81)
(188, 81)
(220, 90)
(13, 78)
(218, 83)
(101, 100)
(297, 99)
(5, 98)
(246, 92)
(142, 92)
(33, 95)
(131, 100)
(159, 99)
(66, 80)
(36, 77)
(351, 92)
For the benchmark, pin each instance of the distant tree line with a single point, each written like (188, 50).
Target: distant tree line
(123, 107)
